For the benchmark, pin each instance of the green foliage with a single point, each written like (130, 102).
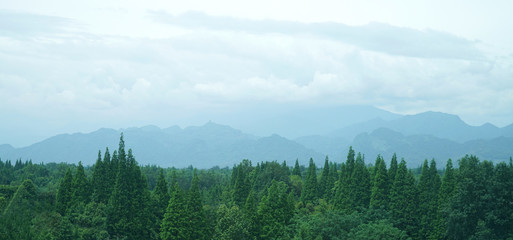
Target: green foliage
(393, 169)
(341, 200)
(19, 212)
(64, 194)
(445, 195)
(327, 225)
(403, 201)
(275, 211)
(231, 224)
(47, 201)
(101, 186)
(197, 228)
(161, 195)
(379, 194)
(309, 194)
(175, 222)
(429, 185)
(327, 182)
(80, 186)
(297, 170)
(359, 185)
(242, 184)
(129, 211)
(381, 230)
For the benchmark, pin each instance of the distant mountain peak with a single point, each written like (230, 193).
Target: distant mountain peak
(433, 115)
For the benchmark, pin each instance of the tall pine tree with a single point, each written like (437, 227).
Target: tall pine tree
(297, 170)
(175, 224)
(342, 200)
(429, 185)
(403, 201)
(324, 184)
(309, 194)
(80, 186)
(446, 193)
(360, 185)
(379, 194)
(64, 194)
(197, 220)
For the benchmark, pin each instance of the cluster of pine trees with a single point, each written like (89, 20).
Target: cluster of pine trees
(118, 199)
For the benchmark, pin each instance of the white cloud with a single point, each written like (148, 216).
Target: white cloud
(70, 78)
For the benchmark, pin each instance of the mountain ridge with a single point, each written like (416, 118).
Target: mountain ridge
(415, 137)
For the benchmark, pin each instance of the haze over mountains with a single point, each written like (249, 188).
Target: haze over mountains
(414, 137)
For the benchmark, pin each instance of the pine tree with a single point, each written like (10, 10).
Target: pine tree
(161, 195)
(403, 200)
(129, 213)
(296, 171)
(324, 184)
(359, 185)
(309, 194)
(21, 209)
(64, 194)
(499, 217)
(80, 186)
(242, 184)
(175, 224)
(197, 221)
(250, 213)
(447, 190)
(275, 211)
(393, 169)
(342, 200)
(231, 224)
(429, 185)
(379, 194)
(99, 181)
(119, 223)
(332, 178)
(114, 169)
(467, 206)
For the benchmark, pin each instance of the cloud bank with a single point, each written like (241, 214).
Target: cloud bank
(56, 73)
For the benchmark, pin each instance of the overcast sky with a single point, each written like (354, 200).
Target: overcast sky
(76, 66)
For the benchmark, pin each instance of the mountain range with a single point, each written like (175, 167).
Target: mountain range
(415, 137)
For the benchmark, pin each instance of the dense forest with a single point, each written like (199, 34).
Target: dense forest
(351, 199)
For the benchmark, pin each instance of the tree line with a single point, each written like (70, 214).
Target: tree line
(118, 199)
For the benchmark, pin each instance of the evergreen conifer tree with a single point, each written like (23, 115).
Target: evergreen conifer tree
(99, 181)
(175, 224)
(296, 171)
(342, 199)
(379, 194)
(241, 186)
(309, 194)
(324, 184)
(360, 185)
(403, 201)
(161, 195)
(275, 211)
(392, 170)
(429, 185)
(64, 194)
(80, 186)
(197, 228)
(446, 193)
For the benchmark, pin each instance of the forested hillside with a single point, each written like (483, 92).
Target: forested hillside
(354, 198)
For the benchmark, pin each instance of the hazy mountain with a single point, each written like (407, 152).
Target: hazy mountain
(416, 148)
(335, 147)
(293, 121)
(414, 137)
(441, 125)
(204, 146)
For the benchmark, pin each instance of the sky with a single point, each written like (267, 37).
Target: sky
(68, 66)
